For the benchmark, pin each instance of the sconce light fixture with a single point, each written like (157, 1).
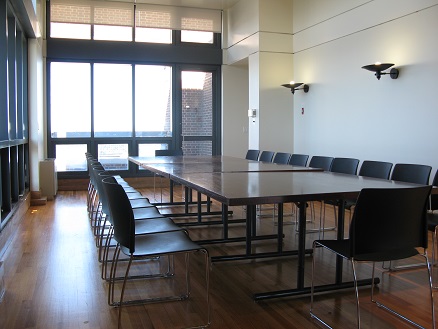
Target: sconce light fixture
(294, 86)
(379, 67)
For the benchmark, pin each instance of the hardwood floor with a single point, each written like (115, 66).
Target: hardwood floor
(52, 278)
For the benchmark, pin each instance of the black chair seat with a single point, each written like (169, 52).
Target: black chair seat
(343, 248)
(160, 244)
(155, 225)
(140, 203)
(145, 213)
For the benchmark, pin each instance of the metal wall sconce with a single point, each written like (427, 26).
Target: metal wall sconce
(379, 67)
(294, 86)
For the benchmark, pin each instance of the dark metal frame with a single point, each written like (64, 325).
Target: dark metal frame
(179, 55)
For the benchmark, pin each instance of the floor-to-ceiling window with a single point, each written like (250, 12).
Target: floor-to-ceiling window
(127, 80)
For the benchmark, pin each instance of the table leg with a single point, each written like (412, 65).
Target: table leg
(186, 199)
(340, 236)
(250, 221)
(280, 226)
(199, 201)
(301, 244)
(225, 220)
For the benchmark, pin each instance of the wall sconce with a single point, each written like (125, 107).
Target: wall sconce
(379, 67)
(294, 86)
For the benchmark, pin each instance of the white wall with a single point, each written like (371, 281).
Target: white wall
(36, 117)
(234, 109)
(347, 111)
(260, 34)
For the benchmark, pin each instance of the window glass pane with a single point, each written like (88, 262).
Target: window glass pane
(112, 100)
(113, 33)
(71, 157)
(197, 103)
(196, 36)
(153, 106)
(143, 34)
(113, 156)
(197, 147)
(70, 100)
(70, 31)
(148, 150)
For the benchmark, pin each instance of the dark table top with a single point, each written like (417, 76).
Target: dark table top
(249, 188)
(183, 159)
(167, 165)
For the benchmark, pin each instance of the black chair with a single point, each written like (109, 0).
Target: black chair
(298, 160)
(433, 202)
(252, 155)
(375, 169)
(147, 246)
(321, 162)
(342, 166)
(266, 156)
(432, 221)
(281, 158)
(387, 224)
(411, 173)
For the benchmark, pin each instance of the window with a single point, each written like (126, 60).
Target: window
(113, 156)
(71, 157)
(112, 100)
(144, 34)
(70, 31)
(197, 36)
(70, 100)
(148, 150)
(112, 33)
(130, 97)
(153, 106)
(112, 20)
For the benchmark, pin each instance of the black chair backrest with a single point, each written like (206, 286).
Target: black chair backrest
(375, 169)
(389, 223)
(266, 156)
(252, 155)
(434, 197)
(298, 159)
(177, 152)
(411, 173)
(281, 158)
(99, 176)
(321, 162)
(345, 166)
(122, 216)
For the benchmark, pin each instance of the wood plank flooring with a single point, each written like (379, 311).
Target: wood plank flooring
(52, 278)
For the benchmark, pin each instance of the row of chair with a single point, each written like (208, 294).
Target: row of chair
(404, 209)
(126, 222)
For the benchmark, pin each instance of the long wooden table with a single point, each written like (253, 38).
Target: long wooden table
(253, 188)
(171, 166)
(270, 186)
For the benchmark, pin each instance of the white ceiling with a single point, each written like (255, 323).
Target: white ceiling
(209, 4)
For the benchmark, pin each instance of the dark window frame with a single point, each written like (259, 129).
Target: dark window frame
(179, 55)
